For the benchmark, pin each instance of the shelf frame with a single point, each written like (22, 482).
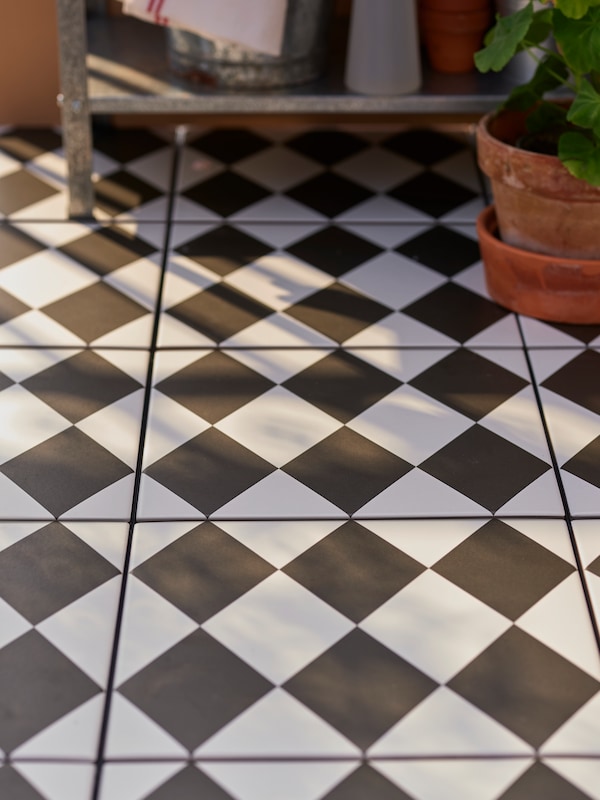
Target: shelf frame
(118, 65)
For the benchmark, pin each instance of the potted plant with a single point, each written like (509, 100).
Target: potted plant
(540, 240)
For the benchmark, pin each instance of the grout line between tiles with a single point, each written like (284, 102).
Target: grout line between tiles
(138, 473)
(563, 495)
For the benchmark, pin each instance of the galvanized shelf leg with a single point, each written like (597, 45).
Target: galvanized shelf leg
(76, 120)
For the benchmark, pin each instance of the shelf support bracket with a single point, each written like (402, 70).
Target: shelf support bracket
(73, 101)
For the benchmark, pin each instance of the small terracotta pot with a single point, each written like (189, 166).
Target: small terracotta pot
(452, 38)
(546, 287)
(539, 204)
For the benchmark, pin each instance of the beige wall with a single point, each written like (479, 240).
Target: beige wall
(28, 63)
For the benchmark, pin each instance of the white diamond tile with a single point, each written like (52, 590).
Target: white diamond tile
(561, 621)
(278, 168)
(279, 496)
(157, 502)
(300, 627)
(277, 208)
(26, 422)
(277, 726)
(151, 625)
(481, 779)
(112, 503)
(571, 426)
(135, 781)
(116, 427)
(12, 624)
(278, 280)
(138, 280)
(279, 542)
(427, 541)
(410, 424)
(398, 330)
(417, 495)
(278, 426)
(377, 169)
(582, 773)
(84, 630)
(132, 734)
(45, 277)
(435, 626)
(518, 420)
(59, 781)
(393, 279)
(445, 724)
(402, 364)
(278, 330)
(579, 735)
(294, 781)
(35, 328)
(169, 426)
(74, 736)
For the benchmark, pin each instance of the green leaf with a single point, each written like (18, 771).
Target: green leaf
(540, 28)
(585, 110)
(550, 73)
(504, 39)
(581, 156)
(576, 9)
(579, 40)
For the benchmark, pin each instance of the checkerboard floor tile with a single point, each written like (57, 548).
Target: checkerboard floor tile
(289, 508)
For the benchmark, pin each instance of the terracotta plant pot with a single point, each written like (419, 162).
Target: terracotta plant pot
(540, 206)
(547, 287)
(453, 31)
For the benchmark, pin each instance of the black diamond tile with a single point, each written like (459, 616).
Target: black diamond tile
(203, 571)
(188, 784)
(126, 144)
(327, 146)
(503, 568)
(94, 311)
(423, 145)
(334, 250)
(224, 249)
(338, 311)
(16, 787)
(541, 781)
(220, 312)
(595, 566)
(584, 333)
(226, 193)
(354, 570)
(107, 249)
(485, 467)
(5, 382)
(38, 685)
(65, 470)
(577, 380)
(10, 307)
(48, 570)
(195, 688)
(342, 385)
(25, 144)
(360, 687)
(209, 470)
(455, 311)
(442, 249)
(329, 194)
(230, 144)
(21, 189)
(469, 383)
(214, 386)
(347, 469)
(525, 686)
(433, 194)
(586, 463)
(365, 783)
(81, 385)
(121, 191)
(16, 245)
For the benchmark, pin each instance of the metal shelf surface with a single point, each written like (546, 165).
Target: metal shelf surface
(128, 73)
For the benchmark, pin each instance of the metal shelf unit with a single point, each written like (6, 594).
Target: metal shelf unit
(118, 65)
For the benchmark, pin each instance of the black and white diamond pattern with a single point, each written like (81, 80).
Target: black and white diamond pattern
(334, 536)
